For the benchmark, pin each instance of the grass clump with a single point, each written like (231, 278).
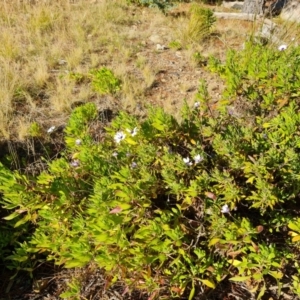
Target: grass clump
(42, 42)
(200, 23)
(176, 45)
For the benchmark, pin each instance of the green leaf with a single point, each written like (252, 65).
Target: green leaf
(240, 278)
(130, 141)
(23, 221)
(101, 237)
(158, 126)
(275, 264)
(213, 241)
(251, 179)
(208, 283)
(74, 263)
(296, 238)
(192, 292)
(258, 276)
(166, 227)
(234, 262)
(276, 274)
(293, 226)
(11, 216)
(187, 200)
(142, 233)
(122, 194)
(262, 292)
(77, 263)
(125, 206)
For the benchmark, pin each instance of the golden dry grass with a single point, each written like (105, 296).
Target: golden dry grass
(42, 42)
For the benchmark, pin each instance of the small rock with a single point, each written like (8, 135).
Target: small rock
(161, 47)
(237, 6)
(178, 54)
(154, 38)
(291, 12)
(233, 5)
(62, 62)
(51, 129)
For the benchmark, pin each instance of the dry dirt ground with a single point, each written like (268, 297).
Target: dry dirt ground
(166, 77)
(36, 86)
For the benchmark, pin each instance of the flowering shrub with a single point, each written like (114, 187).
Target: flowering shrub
(169, 207)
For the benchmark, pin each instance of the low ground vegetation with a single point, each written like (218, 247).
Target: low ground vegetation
(169, 207)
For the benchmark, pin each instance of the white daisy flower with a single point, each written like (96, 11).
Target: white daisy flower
(132, 132)
(75, 163)
(119, 136)
(225, 209)
(133, 165)
(78, 142)
(282, 47)
(187, 161)
(198, 158)
(197, 104)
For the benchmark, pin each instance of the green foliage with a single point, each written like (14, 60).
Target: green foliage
(180, 205)
(295, 226)
(296, 281)
(73, 291)
(268, 79)
(77, 77)
(198, 59)
(104, 81)
(175, 45)
(35, 130)
(16, 195)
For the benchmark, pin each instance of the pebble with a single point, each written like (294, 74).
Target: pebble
(161, 47)
(155, 38)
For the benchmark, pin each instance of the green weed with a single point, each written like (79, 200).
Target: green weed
(35, 130)
(104, 81)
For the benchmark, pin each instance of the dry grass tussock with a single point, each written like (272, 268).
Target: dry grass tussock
(41, 43)
(44, 42)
